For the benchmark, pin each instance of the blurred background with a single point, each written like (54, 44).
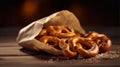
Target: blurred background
(98, 15)
(90, 12)
(102, 16)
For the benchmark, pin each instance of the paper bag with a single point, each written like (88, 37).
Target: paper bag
(26, 36)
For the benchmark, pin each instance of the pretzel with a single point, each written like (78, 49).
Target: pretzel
(84, 46)
(71, 44)
(50, 40)
(61, 31)
(66, 49)
(43, 32)
(102, 41)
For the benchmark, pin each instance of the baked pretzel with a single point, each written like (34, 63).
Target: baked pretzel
(50, 40)
(43, 32)
(84, 46)
(102, 41)
(61, 31)
(63, 44)
(71, 44)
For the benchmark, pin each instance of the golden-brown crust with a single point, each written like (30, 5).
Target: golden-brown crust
(50, 40)
(61, 31)
(71, 44)
(102, 41)
(66, 49)
(84, 46)
(43, 32)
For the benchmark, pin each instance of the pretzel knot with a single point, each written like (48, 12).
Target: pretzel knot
(71, 44)
(50, 40)
(61, 31)
(84, 46)
(101, 40)
(66, 48)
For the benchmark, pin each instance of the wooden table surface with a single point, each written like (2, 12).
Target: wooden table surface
(13, 55)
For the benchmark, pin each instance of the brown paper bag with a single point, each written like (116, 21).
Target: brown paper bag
(26, 36)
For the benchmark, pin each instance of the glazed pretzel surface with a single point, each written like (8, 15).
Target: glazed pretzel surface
(102, 41)
(84, 46)
(50, 40)
(61, 31)
(66, 48)
(72, 44)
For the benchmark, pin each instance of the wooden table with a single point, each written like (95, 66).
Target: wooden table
(12, 55)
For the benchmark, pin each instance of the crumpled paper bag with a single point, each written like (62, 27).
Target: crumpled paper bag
(26, 36)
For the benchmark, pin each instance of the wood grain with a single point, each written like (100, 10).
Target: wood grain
(10, 44)
(32, 61)
(13, 55)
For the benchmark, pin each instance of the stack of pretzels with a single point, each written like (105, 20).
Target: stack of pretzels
(73, 44)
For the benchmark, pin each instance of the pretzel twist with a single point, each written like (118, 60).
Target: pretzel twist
(101, 40)
(84, 46)
(50, 40)
(72, 44)
(61, 31)
(66, 49)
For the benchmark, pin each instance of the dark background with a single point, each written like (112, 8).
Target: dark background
(101, 16)
(19, 13)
